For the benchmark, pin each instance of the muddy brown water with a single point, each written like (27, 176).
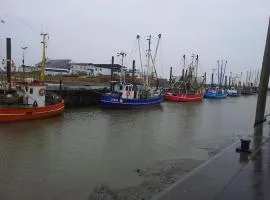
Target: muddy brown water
(67, 156)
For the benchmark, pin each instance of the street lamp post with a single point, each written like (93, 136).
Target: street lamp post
(23, 48)
(1, 22)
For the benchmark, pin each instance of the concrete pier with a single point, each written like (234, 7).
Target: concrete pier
(80, 97)
(228, 175)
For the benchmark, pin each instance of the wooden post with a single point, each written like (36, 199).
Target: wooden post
(264, 79)
(170, 75)
(8, 62)
(60, 86)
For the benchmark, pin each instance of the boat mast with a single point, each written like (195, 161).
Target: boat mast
(159, 36)
(192, 66)
(138, 38)
(197, 63)
(43, 64)
(224, 71)
(183, 71)
(148, 60)
(220, 77)
(218, 71)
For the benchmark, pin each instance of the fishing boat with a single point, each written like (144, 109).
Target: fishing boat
(188, 88)
(215, 93)
(248, 86)
(169, 96)
(247, 90)
(126, 95)
(132, 95)
(28, 100)
(232, 92)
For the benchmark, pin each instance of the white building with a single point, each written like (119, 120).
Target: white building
(55, 72)
(82, 69)
(90, 69)
(12, 67)
(28, 69)
(137, 73)
(66, 67)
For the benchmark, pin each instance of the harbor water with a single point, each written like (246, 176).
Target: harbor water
(65, 157)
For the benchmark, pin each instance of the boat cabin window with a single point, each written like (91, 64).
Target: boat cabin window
(126, 87)
(26, 89)
(121, 87)
(31, 90)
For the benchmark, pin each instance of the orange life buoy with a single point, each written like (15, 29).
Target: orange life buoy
(42, 92)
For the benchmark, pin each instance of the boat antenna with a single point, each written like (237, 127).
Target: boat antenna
(138, 38)
(122, 75)
(43, 62)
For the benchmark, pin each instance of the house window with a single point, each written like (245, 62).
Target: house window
(26, 89)
(31, 90)
(121, 87)
(96, 69)
(126, 88)
(100, 69)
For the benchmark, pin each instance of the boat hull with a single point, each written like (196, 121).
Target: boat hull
(210, 95)
(9, 114)
(115, 102)
(183, 97)
(233, 94)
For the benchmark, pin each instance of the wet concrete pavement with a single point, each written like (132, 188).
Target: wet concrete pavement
(228, 175)
(253, 182)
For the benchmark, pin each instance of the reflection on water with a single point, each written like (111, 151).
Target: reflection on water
(66, 156)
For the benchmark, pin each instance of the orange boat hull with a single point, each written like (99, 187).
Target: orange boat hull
(9, 114)
(183, 97)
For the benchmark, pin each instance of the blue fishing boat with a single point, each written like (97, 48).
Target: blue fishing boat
(232, 92)
(215, 94)
(131, 95)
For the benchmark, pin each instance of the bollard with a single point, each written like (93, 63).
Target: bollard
(244, 146)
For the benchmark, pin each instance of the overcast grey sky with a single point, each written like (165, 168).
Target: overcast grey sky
(94, 30)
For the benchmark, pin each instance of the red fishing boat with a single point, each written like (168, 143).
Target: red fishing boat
(169, 96)
(28, 99)
(187, 88)
(29, 102)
